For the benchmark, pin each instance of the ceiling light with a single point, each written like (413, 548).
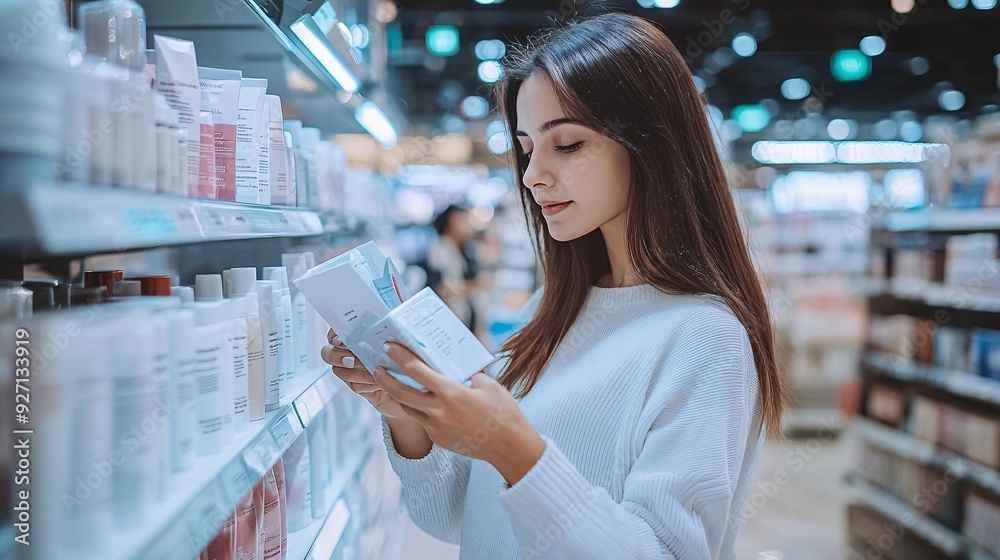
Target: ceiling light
(951, 100)
(499, 143)
(902, 6)
(475, 107)
(490, 71)
(850, 66)
(699, 83)
(958, 4)
(751, 118)
(911, 131)
(386, 12)
(492, 49)
(371, 117)
(442, 40)
(318, 45)
(984, 4)
(873, 45)
(744, 44)
(919, 65)
(838, 129)
(795, 89)
(885, 129)
(861, 153)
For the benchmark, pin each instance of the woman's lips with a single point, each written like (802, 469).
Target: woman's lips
(553, 209)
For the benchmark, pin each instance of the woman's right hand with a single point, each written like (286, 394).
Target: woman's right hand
(350, 370)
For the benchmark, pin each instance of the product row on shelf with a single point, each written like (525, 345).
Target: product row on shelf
(928, 475)
(139, 389)
(96, 108)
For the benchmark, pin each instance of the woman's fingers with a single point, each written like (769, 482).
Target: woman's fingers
(340, 357)
(333, 339)
(402, 392)
(353, 375)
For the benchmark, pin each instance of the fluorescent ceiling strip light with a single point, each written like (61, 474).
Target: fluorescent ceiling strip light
(317, 44)
(819, 152)
(373, 119)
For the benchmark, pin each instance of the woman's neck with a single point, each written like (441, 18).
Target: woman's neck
(622, 274)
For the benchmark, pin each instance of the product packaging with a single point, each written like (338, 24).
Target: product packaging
(286, 378)
(292, 174)
(319, 458)
(311, 138)
(368, 309)
(207, 178)
(295, 264)
(298, 484)
(269, 328)
(317, 326)
(168, 132)
(249, 146)
(279, 479)
(177, 80)
(223, 87)
(73, 167)
(208, 287)
(278, 158)
(135, 481)
(223, 545)
(246, 528)
(15, 301)
(183, 391)
(271, 531)
(185, 293)
(143, 116)
(208, 352)
(264, 166)
(104, 278)
(294, 128)
(243, 283)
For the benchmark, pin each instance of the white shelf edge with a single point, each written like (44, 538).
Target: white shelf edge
(301, 542)
(59, 219)
(197, 486)
(894, 508)
(909, 447)
(960, 383)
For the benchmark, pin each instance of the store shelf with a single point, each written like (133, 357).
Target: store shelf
(203, 496)
(324, 534)
(67, 220)
(942, 304)
(928, 529)
(906, 446)
(959, 383)
(943, 220)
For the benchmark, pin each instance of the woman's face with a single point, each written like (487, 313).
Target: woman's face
(579, 177)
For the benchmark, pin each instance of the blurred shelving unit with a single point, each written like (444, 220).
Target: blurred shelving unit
(928, 475)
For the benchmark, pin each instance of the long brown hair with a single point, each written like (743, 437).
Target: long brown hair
(622, 77)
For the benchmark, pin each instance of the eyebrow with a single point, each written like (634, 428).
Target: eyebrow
(549, 126)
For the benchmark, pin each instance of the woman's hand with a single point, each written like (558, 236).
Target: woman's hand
(482, 422)
(349, 369)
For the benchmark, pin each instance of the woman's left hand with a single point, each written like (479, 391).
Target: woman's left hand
(482, 421)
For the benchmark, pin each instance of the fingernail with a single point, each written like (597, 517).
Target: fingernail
(327, 348)
(348, 361)
(385, 347)
(336, 341)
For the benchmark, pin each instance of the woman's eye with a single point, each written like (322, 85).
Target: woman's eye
(570, 148)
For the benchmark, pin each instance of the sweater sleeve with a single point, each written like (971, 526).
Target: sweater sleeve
(678, 494)
(433, 488)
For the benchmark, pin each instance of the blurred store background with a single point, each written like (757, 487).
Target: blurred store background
(862, 142)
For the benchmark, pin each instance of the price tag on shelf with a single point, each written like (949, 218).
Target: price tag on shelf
(309, 404)
(260, 455)
(236, 480)
(285, 430)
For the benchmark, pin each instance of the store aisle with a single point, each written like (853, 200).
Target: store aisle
(796, 511)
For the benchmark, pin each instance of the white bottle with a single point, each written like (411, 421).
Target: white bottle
(168, 153)
(295, 264)
(243, 282)
(144, 121)
(317, 326)
(183, 138)
(208, 287)
(264, 163)
(182, 399)
(208, 357)
(266, 292)
(293, 178)
(286, 379)
(278, 158)
(227, 375)
(133, 488)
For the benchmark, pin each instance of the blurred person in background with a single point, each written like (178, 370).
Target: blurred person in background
(451, 268)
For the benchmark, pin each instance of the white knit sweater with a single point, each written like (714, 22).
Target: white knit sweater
(650, 410)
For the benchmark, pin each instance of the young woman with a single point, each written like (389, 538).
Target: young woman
(630, 416)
